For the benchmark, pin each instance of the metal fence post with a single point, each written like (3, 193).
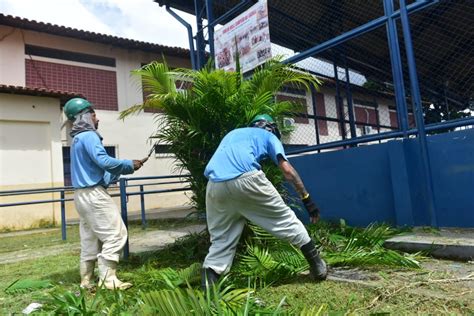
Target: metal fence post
(124, 211)
(210, 26)
(397, 72)
(420, 124)
(200, 43)
(315, 113)
(339, 103)
(192, 51)
(142, 204)
(63, 216)
(350, 103)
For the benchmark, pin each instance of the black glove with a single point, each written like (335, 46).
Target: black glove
(311, 207)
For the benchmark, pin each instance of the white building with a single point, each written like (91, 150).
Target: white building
(41, 67)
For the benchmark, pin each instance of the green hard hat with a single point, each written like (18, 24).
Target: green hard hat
(266, 122)
(262, 117)
(75, 106)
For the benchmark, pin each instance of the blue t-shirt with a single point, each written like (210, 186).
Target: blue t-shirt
(91, 165)
(240, 151)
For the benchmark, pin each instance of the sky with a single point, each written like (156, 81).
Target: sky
(142, 20)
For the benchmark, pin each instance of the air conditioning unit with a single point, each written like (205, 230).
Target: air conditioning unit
(367, 130)
(471, 104)
(288, 122)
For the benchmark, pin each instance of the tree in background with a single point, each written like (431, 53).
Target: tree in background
(215, 102)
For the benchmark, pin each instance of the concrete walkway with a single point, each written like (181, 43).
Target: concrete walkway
(139, 242)
(142, 241)
(157, 239)
(446, 243)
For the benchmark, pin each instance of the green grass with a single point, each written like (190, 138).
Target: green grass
(387, 290)
(63, 270)
(355, 298)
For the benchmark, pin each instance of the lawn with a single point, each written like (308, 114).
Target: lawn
(157, 276)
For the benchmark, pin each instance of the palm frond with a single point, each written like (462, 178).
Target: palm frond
(376, 256)
(25, 285)
(134, 109)
(218, 300)
(156, 78)
(170, 278)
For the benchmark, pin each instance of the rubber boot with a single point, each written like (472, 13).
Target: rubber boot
(108, 277)
(87, 273)
(208, 278)
(317, 266)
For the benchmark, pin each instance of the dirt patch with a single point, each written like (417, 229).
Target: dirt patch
(442, 280)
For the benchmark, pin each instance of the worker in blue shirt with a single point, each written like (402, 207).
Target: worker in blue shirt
(238, 191)
(103, 233)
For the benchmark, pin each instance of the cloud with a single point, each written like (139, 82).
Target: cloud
(66, 13)
(147, 21)
(142, 20)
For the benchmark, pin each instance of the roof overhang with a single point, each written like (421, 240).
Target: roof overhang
(39, 92)
(54, 29)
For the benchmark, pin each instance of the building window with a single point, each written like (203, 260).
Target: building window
(302, 115)
(67, 162)
(163, 151)
(394, 119)
(67, 55)
(321, 111)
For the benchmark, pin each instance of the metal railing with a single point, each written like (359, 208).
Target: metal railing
(453, 124)
(124, 184)
(61, 190)
(123, 194)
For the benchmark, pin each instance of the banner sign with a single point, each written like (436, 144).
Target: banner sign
(251, 33)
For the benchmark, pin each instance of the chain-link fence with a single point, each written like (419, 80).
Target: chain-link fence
(359, 95)
(357, 49)
(443, 44)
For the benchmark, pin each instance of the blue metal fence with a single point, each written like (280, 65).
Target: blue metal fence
(415, 55)
(138, 182)
(61, 190)
(125, 184)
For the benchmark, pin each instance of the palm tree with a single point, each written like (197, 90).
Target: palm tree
(215, 102)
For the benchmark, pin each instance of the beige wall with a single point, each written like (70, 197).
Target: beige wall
(12, 63)
(30, 156)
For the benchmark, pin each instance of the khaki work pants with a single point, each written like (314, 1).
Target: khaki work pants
(103, 233)
(249, 197)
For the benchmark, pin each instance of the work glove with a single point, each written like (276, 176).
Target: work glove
(312, 209)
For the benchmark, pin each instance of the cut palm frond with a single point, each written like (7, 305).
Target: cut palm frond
(169, 278)
(217, 300)
(25, 285)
